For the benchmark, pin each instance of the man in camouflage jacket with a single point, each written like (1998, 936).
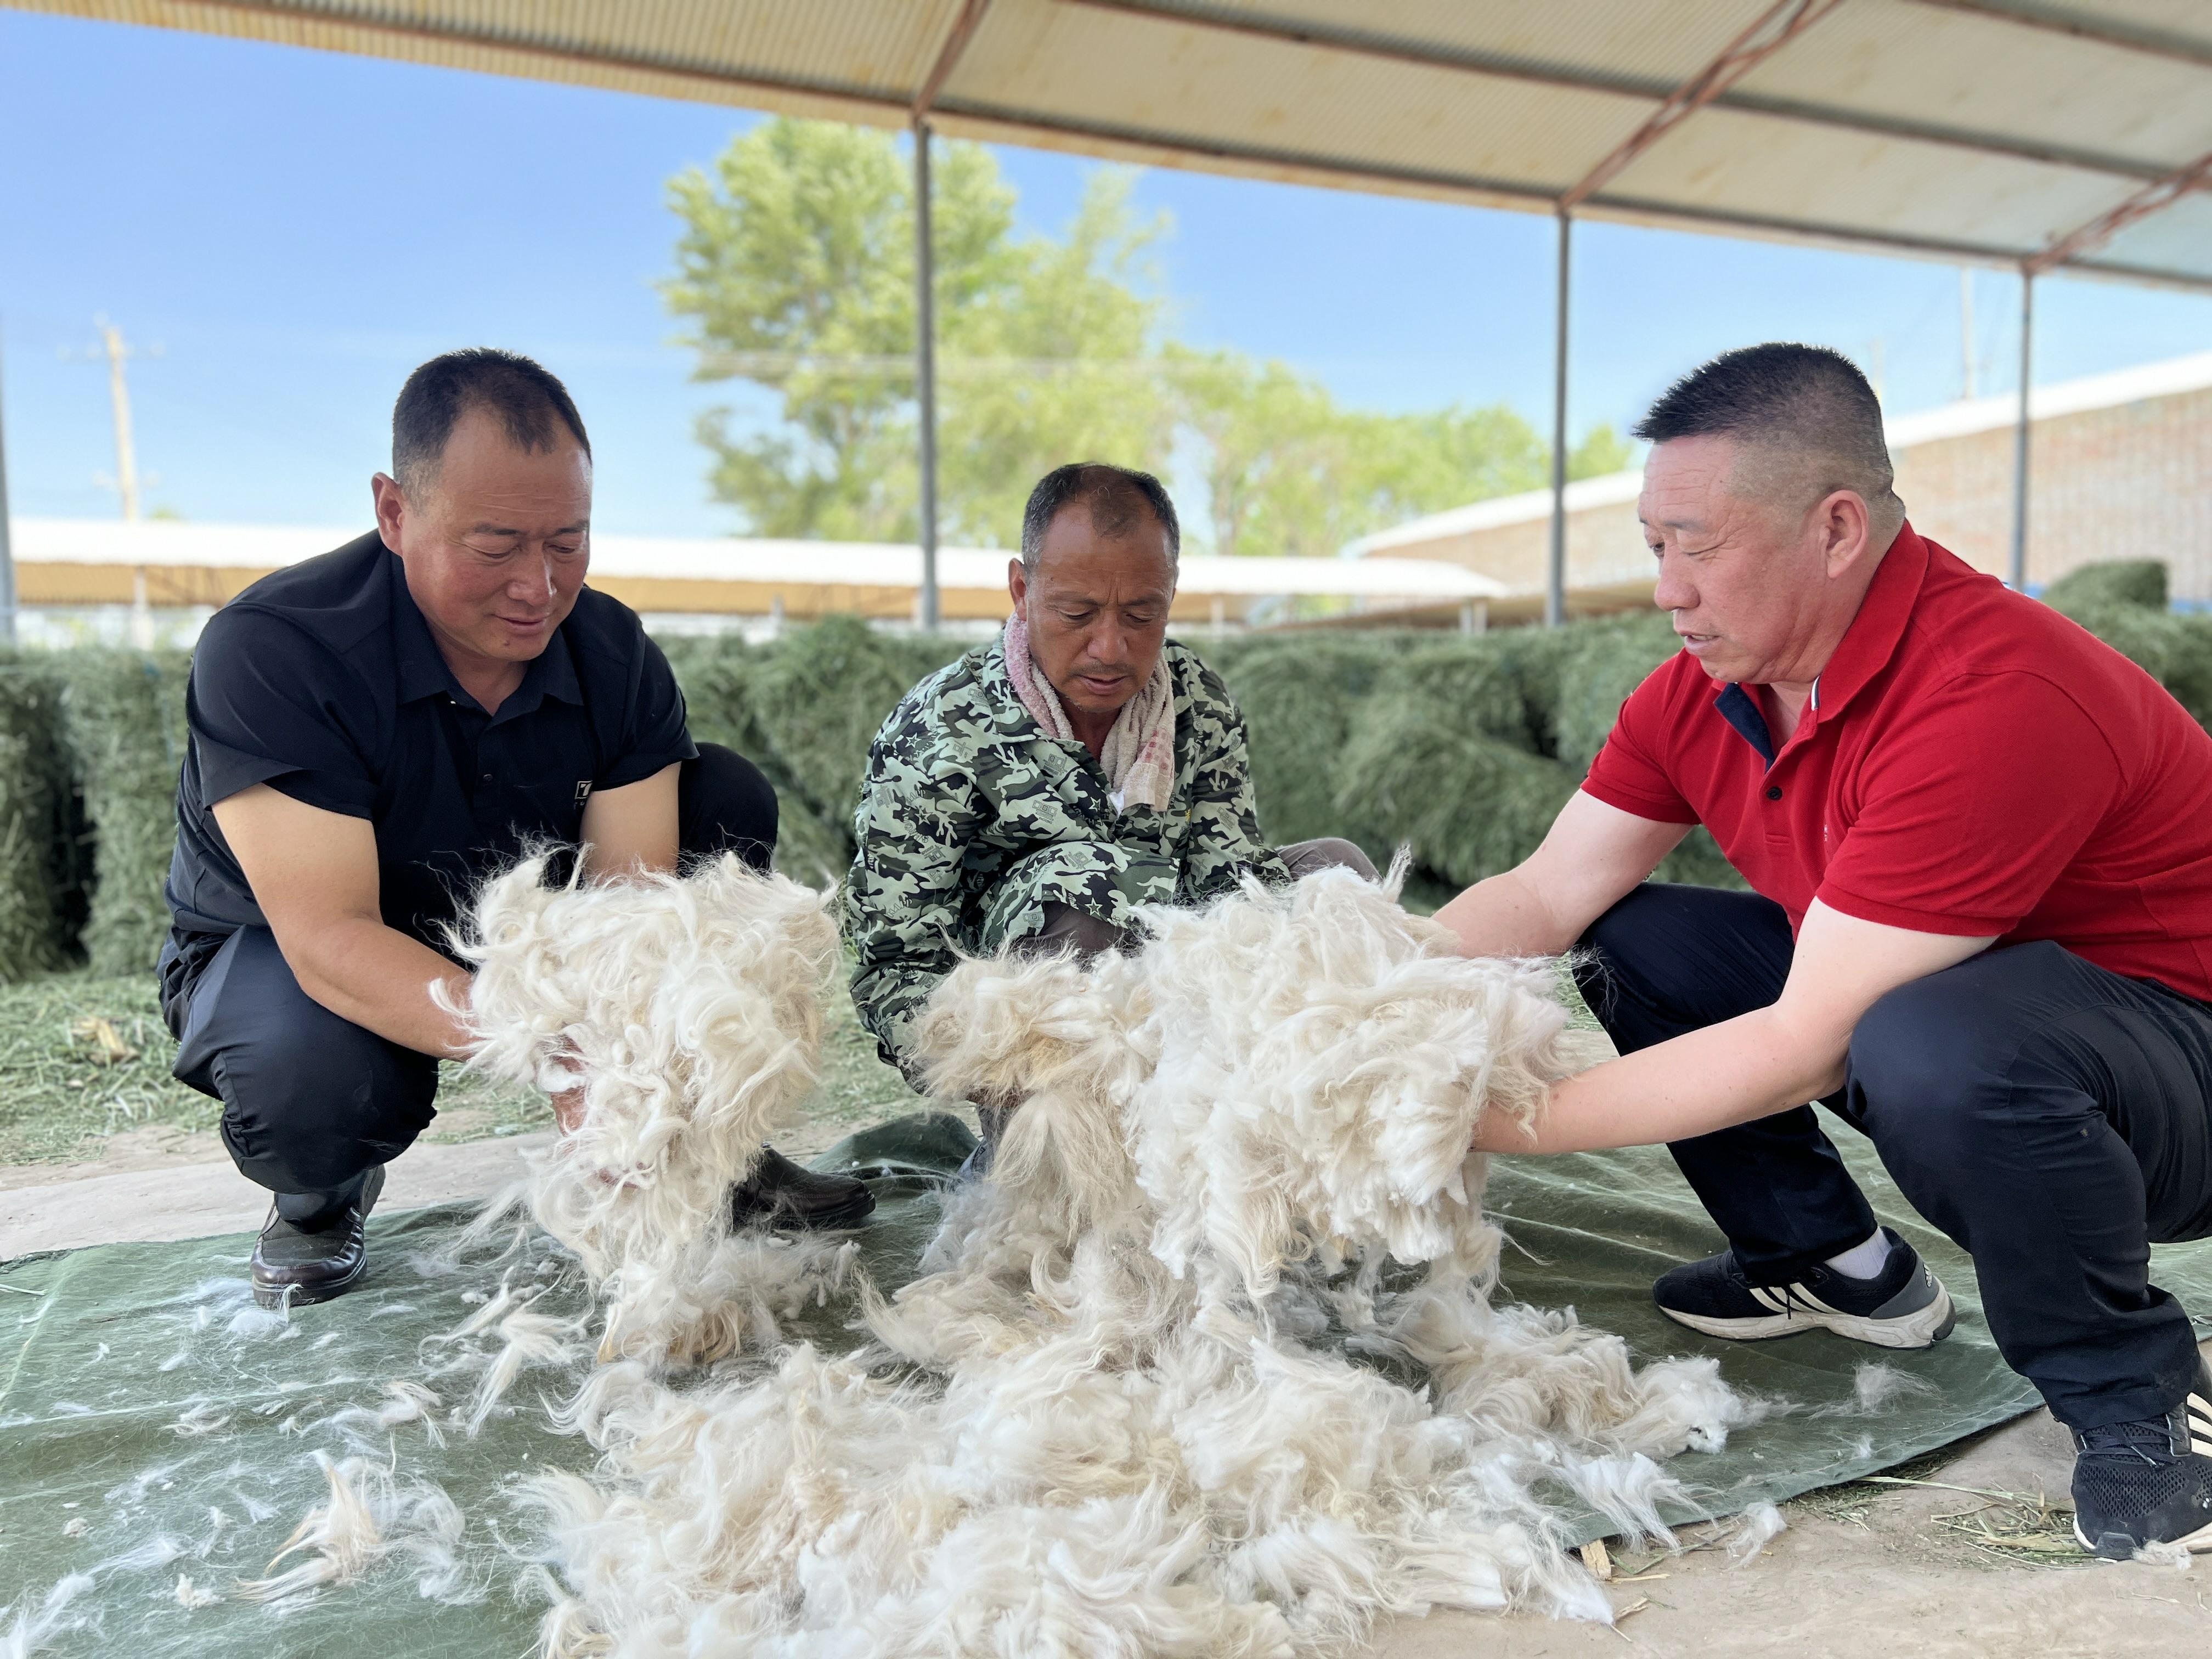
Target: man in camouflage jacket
(973, 820)
(978, 828)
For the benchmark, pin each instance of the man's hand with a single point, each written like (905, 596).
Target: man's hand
(1591, 857)
(313, 873)
(1751, 1067)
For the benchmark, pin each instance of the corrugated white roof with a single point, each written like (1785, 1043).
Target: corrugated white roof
(1995, 130)
(167, 545)
(2128, 385)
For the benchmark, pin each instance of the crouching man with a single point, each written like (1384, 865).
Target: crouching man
(1033, 793)
(372, 733)
(1979, 842)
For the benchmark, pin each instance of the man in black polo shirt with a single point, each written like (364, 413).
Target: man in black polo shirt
(372, 733)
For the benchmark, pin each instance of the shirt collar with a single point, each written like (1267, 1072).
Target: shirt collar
(422, 673)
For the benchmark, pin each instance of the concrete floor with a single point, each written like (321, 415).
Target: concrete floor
(1881, 1578)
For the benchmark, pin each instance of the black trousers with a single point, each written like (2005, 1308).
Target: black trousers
(310, 1100)
(2052, 1117)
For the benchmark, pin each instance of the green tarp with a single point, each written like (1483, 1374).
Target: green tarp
(141, 1393)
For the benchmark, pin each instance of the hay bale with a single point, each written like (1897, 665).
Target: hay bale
(1536, 659)
(1440, 758)
(35, 845)
(1603, 660)
(123, 719)
(793, 706)
(1299, 697)
(817, 697)
(1468, 804)
(2112, 582)
(2174, 649)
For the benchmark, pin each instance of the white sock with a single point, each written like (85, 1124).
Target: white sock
(1864, 1260)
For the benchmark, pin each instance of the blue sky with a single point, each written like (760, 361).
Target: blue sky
(296, 230)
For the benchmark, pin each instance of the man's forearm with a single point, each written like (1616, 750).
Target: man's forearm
(1504, 916)
(1751, 1067)
(378, 977)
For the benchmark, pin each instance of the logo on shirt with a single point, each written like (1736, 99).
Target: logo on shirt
(583, 790)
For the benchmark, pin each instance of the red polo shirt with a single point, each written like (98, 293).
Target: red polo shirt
(1971, 763)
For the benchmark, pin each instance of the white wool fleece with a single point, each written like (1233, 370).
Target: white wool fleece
(1117, 1418)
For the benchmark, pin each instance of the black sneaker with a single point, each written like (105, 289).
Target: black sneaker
(1903, 1306)
(2148, 1483)
(780, 1193)
(295, 1266)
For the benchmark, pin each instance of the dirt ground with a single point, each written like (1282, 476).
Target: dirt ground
(1959, 1565)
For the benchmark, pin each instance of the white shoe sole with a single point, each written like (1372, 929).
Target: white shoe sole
(1920, 1330)
(2196, 1543)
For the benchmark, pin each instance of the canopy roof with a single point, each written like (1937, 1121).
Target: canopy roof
(2072, 134)
(63, 561)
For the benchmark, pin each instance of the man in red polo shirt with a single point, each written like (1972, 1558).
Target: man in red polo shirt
(1980, 846)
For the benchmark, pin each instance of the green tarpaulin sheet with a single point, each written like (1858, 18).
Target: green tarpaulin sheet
(143, 1395)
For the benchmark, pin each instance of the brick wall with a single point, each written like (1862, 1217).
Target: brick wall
(2130, 480)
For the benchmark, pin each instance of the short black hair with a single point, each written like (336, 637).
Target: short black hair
(1115, 495)
(1809, 402)
(526, 396)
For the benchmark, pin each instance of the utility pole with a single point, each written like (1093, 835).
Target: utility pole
(112, 347)
(1966, 328)
(925, 378)
(118, 393)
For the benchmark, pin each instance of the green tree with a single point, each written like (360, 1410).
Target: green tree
(1288, 470)
(795, 271)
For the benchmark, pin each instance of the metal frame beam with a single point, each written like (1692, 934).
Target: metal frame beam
(1021, 124)
(1555, 564)
(1385, 49)
(7, 544)
(2196, 175)
(925, 304)
(2173, 48)
(2019, 562)
(1737, 59)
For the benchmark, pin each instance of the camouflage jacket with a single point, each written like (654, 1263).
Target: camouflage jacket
(972, 820)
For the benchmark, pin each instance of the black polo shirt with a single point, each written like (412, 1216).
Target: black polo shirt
(324, 681)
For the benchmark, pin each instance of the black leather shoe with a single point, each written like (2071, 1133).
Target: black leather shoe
(293, 1267)
(781, 1193)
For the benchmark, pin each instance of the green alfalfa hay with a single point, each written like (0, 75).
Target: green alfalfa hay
(1468, 804)
(1299, 698)
(2174, 648)
(122, 718)
(1599, 663)
(716, 673)
(818, 696)
(34, 838)
(2111, 581)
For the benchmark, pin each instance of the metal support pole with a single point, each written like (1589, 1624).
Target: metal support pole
(7, 548)
(2019, 577)
(925, 371)
(1555, 574)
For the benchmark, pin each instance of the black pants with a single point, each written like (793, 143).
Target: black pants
(310, 1100)
(2052, 1116)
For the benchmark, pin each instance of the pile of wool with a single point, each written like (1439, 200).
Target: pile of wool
(688, 1010)
(1117, 1414)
